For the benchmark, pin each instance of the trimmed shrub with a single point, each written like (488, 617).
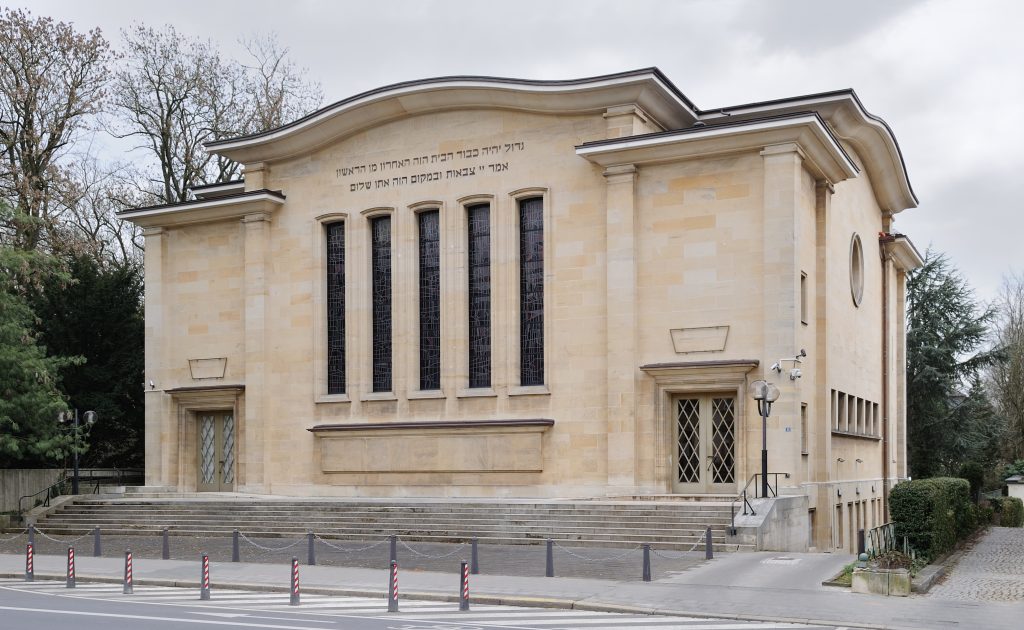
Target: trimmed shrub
(932, 513)
(974, 473)
(1011, 512)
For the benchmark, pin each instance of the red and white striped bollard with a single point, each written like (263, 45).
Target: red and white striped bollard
(204, 579)
(71, 567)
(464, 587)
(294, 601)
(129, 587)
(30, 569)
(393, 588)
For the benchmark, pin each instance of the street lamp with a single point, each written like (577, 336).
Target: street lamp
(64, 417)
(765, 394)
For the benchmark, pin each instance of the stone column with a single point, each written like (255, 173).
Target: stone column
(160, 426)
(621, 296)
(780, 281)
(821, 421)
(252, 443)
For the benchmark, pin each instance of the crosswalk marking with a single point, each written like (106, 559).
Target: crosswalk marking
(315, 606)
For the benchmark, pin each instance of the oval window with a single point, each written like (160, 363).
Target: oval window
(856, 270)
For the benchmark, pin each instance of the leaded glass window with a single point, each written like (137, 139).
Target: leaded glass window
(336, 308)
(430, 301)
(531, 292)
(380, 229)
(479, 291)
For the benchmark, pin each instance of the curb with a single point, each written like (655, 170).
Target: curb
(483, 598)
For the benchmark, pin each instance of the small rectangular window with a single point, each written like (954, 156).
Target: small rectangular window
(803, 428)
(380, 253)
(479, 291)
(430, 301)
(803, 298)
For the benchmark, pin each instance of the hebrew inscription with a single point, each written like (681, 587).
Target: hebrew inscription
(432, 167)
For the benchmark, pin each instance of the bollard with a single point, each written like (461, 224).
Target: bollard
(71, 567)
(647, 563)
(32, 535)
(549, 570)
(709, 551)
(860, 542)
(30, 569)
(474, 559)
(204, 578)
(464, 587)
(235, 555)
(311, 551)
(128, 581)
(393, 557)
(97, 547)
(294, 601)
(167, 547)
(393, 588)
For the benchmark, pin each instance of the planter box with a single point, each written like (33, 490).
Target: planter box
(895, 582)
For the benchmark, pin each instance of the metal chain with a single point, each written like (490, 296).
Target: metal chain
(423, 555)
(73, 540)
(18, 535)
(703, 535)
(343, 550)
(586, 559)
(259, 546)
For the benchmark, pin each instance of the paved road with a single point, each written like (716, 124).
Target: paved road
(48, 604)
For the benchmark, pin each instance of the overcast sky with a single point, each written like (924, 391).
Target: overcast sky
(947, 75)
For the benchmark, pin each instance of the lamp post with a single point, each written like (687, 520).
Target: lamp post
(765, 394)
(71, 417)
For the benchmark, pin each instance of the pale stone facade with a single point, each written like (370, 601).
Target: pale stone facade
(684, 253)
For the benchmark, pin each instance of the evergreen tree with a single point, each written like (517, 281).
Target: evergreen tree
(99, 316)
(949, 420)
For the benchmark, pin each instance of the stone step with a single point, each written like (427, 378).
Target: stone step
(419, 505)
(345, 517)
(178, 510)
(664, 542)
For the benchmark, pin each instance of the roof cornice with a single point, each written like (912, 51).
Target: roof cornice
(647, 88)
(256, 202)
(822, 151)
(870, 135)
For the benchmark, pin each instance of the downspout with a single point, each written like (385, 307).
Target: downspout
(884, 239)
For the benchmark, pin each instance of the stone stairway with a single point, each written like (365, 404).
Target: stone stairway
(663, 524)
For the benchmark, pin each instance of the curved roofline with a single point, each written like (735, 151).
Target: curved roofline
(396, 89)
(809, 99)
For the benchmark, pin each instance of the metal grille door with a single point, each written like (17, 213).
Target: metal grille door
(705, 437)
(215, 450)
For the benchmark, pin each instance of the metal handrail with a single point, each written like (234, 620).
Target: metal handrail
(96, 481)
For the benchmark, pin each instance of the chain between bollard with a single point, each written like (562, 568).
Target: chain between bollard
(692, 548)
(344, 550)
(430, 557)
(586, 559)
(14, 536)
(259, 546)
(57, 540)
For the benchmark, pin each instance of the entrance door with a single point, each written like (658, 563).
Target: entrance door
(705, 430)
(216, 452)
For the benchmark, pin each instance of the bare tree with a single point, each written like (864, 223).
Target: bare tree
(1008, 374)
(175, 94)
(90, 224)
(277, 88)
(52, 81)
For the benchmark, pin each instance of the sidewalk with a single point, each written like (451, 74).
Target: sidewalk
(756, 586)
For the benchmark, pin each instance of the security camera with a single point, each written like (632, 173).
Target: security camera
(795, 373)
(776, 367)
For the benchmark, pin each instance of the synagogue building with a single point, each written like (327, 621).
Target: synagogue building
(488, 287)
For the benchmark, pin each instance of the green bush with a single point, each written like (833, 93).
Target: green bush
(1010, 512)
(974, 473)
(932, 513)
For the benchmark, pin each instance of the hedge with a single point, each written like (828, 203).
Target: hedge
(932, 513)
(1011, 512)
